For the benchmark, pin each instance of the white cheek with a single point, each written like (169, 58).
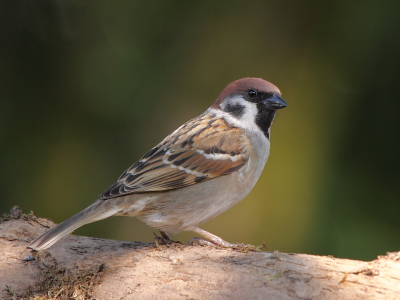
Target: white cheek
(245, 121)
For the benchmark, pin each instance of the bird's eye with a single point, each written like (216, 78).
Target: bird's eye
(252, 93)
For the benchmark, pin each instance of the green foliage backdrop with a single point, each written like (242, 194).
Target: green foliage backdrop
(88, 86)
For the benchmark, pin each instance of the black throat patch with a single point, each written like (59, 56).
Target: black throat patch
(264, 119)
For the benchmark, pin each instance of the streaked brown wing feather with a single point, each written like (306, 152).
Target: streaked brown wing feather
(199, 150)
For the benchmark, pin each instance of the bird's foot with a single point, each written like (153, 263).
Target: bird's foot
(216, 241)
(163, 239)
(213, 240)
(196, 241)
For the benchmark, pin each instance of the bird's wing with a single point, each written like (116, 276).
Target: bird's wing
(201, 149)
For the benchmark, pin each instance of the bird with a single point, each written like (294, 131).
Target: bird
(200, 170)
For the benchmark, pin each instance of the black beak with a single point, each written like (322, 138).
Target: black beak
(275, 102)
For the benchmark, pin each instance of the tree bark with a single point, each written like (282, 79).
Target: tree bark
(86, 268)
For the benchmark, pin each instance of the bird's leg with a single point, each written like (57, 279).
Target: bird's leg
(164, 239)
(167, 239)
(214, 240)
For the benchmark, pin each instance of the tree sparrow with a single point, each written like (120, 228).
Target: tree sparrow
(199, 171)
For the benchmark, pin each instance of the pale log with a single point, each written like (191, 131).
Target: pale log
(87, 268)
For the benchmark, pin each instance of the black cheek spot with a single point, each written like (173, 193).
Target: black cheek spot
(236, 110)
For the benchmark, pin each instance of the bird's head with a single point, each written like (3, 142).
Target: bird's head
(251, 101)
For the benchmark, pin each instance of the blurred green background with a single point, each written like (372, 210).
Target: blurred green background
(87, 87)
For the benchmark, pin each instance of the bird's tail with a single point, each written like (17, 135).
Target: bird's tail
(97, 211)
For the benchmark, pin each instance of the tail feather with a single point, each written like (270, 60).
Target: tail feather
(96, 211)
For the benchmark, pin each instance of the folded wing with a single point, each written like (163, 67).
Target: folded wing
(201, 149)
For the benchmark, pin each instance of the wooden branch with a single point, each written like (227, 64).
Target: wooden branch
(87, 268)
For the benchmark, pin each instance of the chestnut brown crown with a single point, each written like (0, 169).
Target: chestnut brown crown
(241, 85)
